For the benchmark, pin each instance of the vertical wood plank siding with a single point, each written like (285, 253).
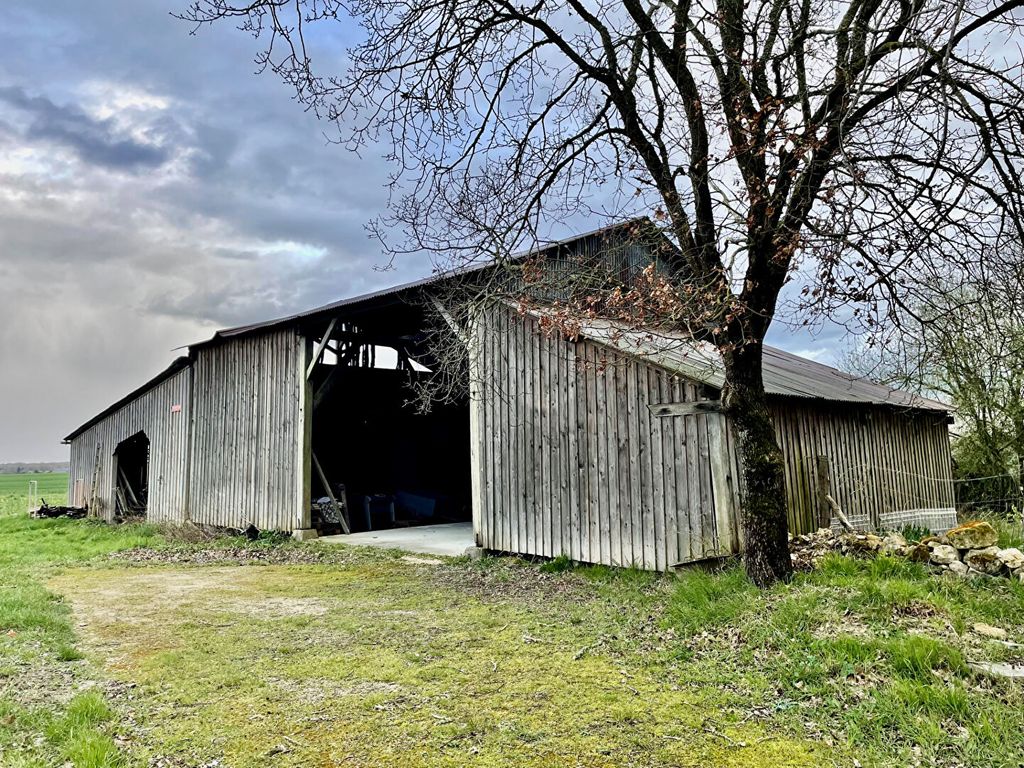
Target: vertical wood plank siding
(248, 432)
(572, 462)
(880, 459)
(168, 434)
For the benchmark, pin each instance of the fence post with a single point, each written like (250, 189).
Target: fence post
(823, 489)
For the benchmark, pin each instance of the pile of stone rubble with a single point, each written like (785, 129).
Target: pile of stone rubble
(967, 550)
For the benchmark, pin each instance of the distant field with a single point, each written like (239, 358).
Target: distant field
(53, 486)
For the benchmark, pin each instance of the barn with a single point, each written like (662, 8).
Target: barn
(607, 447)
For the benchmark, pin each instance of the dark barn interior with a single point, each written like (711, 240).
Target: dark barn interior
(377, 460)
(131, 481)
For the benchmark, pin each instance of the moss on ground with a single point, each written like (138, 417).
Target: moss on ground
(391, 664)
(272, 654)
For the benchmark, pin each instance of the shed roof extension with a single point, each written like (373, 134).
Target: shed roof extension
(785, 374)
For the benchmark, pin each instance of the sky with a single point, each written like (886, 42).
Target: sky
(154, 188)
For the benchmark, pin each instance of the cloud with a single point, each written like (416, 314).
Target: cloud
(152, 190)
(96, 141)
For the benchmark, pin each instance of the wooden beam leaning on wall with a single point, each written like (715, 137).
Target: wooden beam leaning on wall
(824, 488)
(94, 489)
(459, 332)
(330, 494)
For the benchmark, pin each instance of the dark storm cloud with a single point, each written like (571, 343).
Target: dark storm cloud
(98, 142)
(152, 191)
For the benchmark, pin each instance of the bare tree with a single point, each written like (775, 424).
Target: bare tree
(966, 345)
(868, 142)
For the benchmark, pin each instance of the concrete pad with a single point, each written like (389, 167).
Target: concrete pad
(450, 539)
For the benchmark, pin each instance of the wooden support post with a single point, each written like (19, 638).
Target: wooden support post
(330, 495)
(321, 345)
(304, 434)
(324, 389)
(824, 490)
(476, 409)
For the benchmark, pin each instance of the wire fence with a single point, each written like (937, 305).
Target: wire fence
(995, 494)
(885, 498)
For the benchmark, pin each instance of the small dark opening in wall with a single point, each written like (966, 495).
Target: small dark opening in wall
(131, 476)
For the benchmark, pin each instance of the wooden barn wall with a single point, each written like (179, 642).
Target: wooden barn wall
(568, 459)
(168, 433)
(880, 459)
(250, 433)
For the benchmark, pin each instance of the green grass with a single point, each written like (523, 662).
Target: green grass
(42, 723)
(365, 659)
(53, 486)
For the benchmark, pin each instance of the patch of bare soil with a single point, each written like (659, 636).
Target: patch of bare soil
(505, 581)
(846, 626)
(146, 597)
(319, 691)
(41, 681)
(278, 607)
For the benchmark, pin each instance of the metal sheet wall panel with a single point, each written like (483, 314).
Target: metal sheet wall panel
(163, 413)
(248, 433)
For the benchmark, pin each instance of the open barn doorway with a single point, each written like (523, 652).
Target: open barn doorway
(131, 477)
(378, 460)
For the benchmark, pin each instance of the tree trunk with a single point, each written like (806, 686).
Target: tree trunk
(764, 520)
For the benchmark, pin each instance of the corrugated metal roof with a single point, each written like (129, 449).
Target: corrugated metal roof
(404, 288)
(785, 374)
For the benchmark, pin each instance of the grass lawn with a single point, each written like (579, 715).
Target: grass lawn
(233, 654)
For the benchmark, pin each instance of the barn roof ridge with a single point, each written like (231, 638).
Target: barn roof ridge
(410, 286)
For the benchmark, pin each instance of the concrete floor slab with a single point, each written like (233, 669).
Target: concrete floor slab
(451, 539)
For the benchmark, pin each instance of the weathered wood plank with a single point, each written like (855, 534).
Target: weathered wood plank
(574, 467)
(686, 408)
